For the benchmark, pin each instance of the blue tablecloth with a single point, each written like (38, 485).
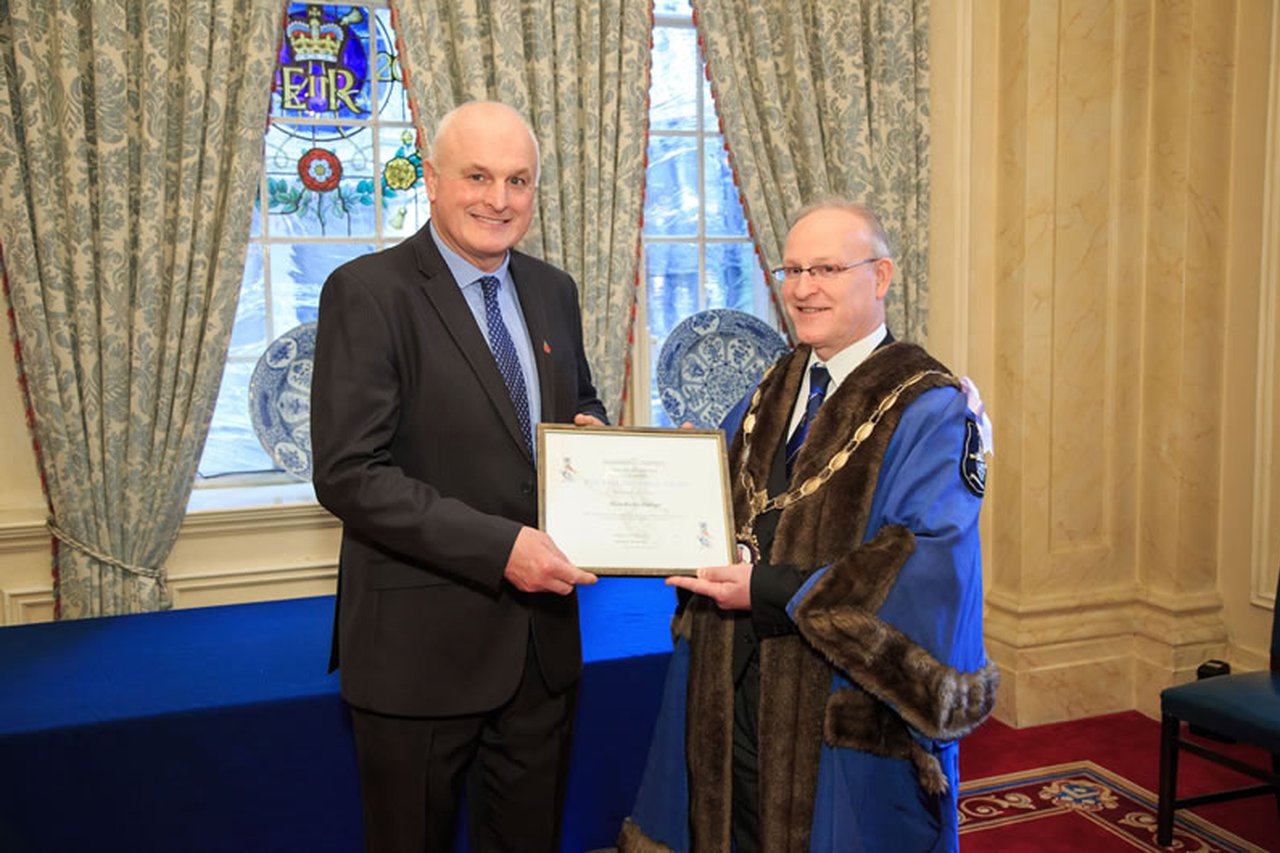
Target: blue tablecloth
(218, 728)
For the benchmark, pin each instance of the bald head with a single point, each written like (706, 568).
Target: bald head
(461, 122)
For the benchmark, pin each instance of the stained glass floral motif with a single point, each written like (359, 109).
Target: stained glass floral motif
(404, 202)
(320, 170)
(321, 189)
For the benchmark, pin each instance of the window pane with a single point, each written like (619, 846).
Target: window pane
(255, 224)
(673, 7)
(673, 102)
(671, 279)
(671, 194)
(324, 64)
(725, 217)
(249, 334)
(319, 184)
(298, 271)
(734, 278)
(232, 447)
(671, 294)
(393, 99)
(710, 115)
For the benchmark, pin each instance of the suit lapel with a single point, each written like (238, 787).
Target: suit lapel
(443, 293)
(533, 305)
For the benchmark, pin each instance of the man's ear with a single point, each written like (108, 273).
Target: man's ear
(884, 276)
(430, 179)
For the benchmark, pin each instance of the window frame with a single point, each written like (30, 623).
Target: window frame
(248, 488)
(647, 347)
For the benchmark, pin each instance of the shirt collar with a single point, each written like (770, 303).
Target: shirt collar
(847, 360)
(465, 272)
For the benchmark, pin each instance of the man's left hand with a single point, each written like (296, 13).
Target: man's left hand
(728, 586)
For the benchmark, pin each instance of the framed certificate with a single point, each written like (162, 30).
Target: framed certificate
(636, 501)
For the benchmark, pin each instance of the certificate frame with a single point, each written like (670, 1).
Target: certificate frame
(642, 501)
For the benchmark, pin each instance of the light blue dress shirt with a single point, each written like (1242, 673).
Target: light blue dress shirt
(468, 277)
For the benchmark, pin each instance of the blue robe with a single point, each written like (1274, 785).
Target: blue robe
(908, 670)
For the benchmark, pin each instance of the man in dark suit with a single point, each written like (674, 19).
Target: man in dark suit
(456, 623)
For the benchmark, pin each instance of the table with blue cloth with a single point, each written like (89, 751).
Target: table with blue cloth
(218, 729)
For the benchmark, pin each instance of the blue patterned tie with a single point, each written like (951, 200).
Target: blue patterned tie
(504, 353)
(819, 379)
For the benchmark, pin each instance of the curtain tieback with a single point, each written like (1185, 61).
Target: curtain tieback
(68, 539)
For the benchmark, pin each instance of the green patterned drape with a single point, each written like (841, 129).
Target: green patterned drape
(821, 97)
(130, 144)
(580, 72)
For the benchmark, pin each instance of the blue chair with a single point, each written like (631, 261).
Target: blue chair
(1243, 708)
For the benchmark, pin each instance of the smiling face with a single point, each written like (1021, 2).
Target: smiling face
(481, 180)
(831, 313)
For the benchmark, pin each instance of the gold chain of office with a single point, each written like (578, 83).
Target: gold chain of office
(758, 500)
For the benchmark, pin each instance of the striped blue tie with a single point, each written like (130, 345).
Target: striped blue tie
(819, 379)
(504, 353)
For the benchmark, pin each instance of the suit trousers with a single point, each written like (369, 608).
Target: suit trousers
(513, 762)
(745, 805)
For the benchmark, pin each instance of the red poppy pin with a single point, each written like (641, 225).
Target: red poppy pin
(546, 347)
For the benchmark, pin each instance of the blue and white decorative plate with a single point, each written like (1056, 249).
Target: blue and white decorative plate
(280, 399)
(710, 360)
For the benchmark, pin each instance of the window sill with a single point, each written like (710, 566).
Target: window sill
(222, 498)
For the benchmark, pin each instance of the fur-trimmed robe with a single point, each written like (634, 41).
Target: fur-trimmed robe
(860, 711)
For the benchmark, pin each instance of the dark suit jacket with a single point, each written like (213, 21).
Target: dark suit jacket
(417, 450)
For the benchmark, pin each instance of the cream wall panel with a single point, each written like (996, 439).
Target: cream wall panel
(1252, 457)
(1119, 162)
(1200, 416)
(1053, 286)
(1013, 479)
(1076, 342)
(1128, 224)
(25, 606)
(254, 555)
(26, 580)
(1098, 686)
(239, 586)
(220, 558)
(1069, 681)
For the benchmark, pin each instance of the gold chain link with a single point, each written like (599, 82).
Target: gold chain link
(758, 500)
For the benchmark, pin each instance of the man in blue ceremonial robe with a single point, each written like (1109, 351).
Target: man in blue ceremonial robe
(819, 688)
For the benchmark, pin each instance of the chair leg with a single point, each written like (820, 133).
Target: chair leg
(1275, 768)
(1168, 779)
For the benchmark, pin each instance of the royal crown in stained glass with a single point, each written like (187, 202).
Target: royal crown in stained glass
(324, 63)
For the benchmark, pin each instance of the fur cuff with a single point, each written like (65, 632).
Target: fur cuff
(838, 618)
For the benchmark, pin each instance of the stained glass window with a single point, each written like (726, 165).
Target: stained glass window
(342, 177)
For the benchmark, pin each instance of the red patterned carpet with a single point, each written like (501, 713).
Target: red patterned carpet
(1077, 806)
(1089, 785)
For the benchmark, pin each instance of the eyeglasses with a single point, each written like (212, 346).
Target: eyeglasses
(819, 271)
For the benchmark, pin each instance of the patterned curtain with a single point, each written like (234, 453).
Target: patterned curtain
(130, 146)
(580, 72)
(821, 97)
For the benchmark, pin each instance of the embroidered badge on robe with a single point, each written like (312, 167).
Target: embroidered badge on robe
(973, 464)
